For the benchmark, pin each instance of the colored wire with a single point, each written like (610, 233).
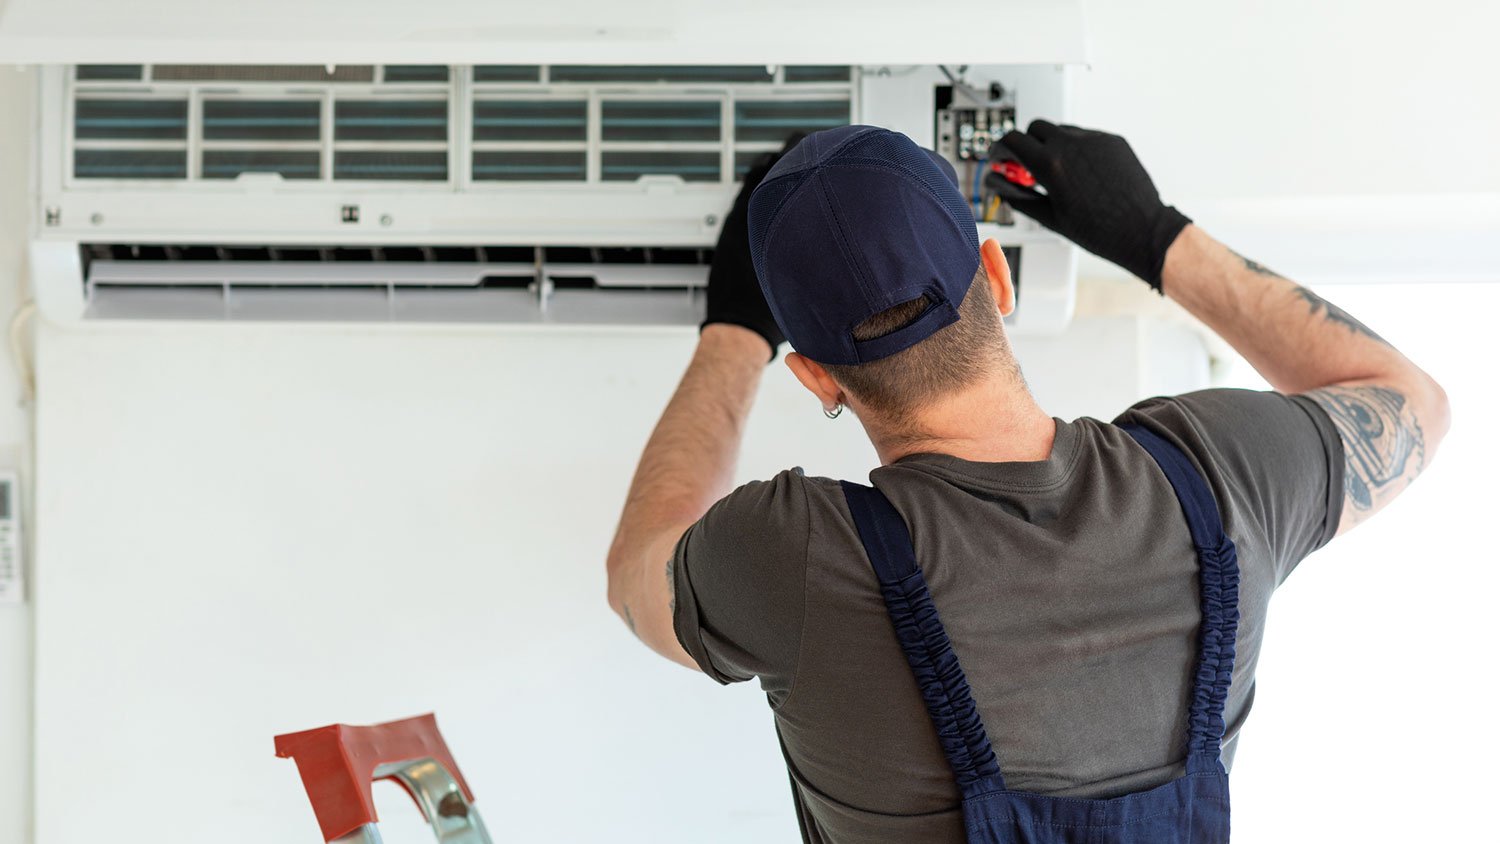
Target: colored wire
(978, 175)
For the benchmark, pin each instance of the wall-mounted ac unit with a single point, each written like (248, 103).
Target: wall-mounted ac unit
(545, 192)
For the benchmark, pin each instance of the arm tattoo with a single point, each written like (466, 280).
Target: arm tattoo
(1315, 304)
(629, 620)
(1383, 445)
(1333, 313)
(1257, 268)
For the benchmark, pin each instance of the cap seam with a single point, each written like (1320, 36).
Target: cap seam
(860, 271)
(877, 163)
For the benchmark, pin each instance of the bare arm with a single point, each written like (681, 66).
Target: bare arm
(688, 464)
(1390, 414)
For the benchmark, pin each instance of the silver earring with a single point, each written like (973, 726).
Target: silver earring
(834, 414)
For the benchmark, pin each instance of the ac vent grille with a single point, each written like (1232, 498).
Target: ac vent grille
(406, 283)
(592, 124)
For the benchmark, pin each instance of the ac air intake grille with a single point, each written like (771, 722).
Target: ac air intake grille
(486, 125)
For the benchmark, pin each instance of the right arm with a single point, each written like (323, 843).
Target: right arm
(1390, 414)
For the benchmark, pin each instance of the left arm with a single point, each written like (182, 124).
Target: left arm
(688, 464)
(689, 461)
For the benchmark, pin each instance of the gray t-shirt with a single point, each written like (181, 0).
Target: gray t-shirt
(1068, 586)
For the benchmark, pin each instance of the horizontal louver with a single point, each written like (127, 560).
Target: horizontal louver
(130, 119)
(289, 164)
(507, 73)
(404, 283)
(416, 73)
(817, 73)
(531, 120)
(129, 164)
(689, 166)
(391, 166)
(774, 120)
(659, 73)
(390, 120)
(261, 73)
(262, 120)
(530, 166)
(109, 72)
(662, 121)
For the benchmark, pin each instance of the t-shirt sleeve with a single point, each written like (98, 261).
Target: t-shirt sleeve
(1279, 459)
(739, 575)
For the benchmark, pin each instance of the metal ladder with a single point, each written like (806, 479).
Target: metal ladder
(338, 764)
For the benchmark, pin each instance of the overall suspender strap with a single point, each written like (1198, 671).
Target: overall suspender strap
(1219, 579)
(928, 650)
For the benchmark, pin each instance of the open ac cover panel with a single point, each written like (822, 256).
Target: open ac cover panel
(520, 193)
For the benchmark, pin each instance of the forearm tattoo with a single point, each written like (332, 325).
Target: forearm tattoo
(1257, 268)
(1333, 313)
(1383, 445)
(1316, 304)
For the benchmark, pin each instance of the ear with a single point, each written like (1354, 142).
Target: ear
(998, 270)
(816, 379)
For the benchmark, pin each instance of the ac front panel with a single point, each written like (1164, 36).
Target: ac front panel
(381, 185)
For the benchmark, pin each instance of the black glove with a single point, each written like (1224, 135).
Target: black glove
(734, 294)
(1098, 196)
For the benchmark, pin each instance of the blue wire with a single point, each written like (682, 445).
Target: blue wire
(978, 174)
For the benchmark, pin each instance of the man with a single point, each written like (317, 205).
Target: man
(1056, 553)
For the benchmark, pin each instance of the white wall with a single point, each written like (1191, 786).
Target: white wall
(15, 620)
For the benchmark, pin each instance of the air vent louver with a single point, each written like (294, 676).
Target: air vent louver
(579, 284)
(261, 73)
(773, 120)
(129, 164)
(660, 121)
(507, 73)
(531, 120)
(130, 119)
(112, 72)
(416, 73)
(659, 73)
(530, 166)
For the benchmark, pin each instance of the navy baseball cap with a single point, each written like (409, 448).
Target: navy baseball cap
(850, 222)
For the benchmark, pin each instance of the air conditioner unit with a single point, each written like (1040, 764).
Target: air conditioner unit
(530, 191)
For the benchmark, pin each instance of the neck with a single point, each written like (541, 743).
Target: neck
(994, 421)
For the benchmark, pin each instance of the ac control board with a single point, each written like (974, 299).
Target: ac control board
(967, 120)
(965, 133)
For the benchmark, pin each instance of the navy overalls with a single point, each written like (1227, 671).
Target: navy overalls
(1193, 809)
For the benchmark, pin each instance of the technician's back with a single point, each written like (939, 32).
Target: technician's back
(1068, 586)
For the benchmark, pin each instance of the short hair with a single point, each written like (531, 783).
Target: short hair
(956, 356)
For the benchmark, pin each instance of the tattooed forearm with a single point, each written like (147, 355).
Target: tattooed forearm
(1384, 448)
(1333, 313)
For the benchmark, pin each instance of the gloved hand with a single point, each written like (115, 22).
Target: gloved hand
(734, 294)
(1098, 196)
